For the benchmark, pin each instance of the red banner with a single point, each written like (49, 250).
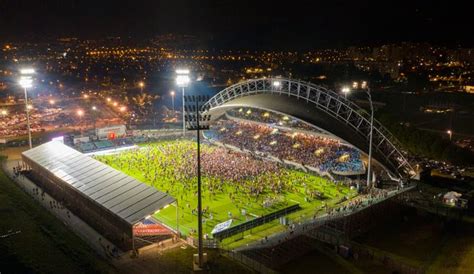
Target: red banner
(151, 230)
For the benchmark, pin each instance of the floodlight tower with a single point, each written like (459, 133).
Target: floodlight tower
(26, 82)
(198, 121)
(183, 80)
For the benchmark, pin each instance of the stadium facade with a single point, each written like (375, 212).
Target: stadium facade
(108, 200)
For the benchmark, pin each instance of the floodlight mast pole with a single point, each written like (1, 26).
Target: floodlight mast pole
(199, 184)
(28, 118)
(194, 119)
(184, 122)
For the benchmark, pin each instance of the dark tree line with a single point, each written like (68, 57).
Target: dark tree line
(426, 144)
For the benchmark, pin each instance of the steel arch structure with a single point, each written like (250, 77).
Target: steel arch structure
(325, 103)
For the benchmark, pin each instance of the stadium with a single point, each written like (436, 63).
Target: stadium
(279, 153)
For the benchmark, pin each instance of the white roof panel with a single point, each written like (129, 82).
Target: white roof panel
(124, 196)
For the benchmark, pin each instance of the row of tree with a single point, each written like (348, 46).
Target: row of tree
(426, 144)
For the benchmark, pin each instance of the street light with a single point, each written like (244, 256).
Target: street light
(26, 82)
(183, 80)
(172, 93)
(369, 164)
(450, 133)
(94, 116)
(345, 90)
(141, 84)
(80, 113)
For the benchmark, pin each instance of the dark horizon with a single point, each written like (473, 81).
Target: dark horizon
(229, 24)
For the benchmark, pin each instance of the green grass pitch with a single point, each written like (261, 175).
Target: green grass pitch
(161, 165)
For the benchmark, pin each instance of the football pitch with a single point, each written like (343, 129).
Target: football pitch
(234, 186)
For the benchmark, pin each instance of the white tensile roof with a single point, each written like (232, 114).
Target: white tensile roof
(118, 193)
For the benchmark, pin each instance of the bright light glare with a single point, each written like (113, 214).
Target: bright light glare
(80, 112)
(94, 108)
(182, 71)
(52, 102)
(449, 132)
(26, 82)
(29, 107)
(4, 112)
(115, 104)
(123, 108)
(172, 93)
(346, 89)
(276, 83)
(182, 80)
(109, 99)
(27, 71)
(141, 84)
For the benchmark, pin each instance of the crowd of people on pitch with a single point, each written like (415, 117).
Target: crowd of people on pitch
(172, 167)
(311, 150)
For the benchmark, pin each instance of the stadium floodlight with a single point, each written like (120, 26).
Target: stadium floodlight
(27, 71)
(183, 80)
(26, 82)
(198, 120)
(182, 71)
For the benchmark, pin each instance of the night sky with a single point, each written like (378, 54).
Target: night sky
(268, 24)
